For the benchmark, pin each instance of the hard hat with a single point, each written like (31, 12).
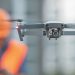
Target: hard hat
(5, 24)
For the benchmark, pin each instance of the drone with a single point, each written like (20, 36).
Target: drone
(51, 30)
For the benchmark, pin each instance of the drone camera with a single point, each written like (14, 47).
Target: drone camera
(53, 30)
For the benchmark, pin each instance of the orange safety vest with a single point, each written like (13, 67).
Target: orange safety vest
(13, 57)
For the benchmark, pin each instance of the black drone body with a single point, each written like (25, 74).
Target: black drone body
(51, 30)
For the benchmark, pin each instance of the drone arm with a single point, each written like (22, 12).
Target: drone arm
(71, 26)
(32, 26)
(20, 34)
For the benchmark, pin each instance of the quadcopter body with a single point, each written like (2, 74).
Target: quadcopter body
(51, 29)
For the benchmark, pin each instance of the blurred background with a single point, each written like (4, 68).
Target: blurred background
(45, 57)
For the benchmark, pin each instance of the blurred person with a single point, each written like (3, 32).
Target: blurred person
(12, 52)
